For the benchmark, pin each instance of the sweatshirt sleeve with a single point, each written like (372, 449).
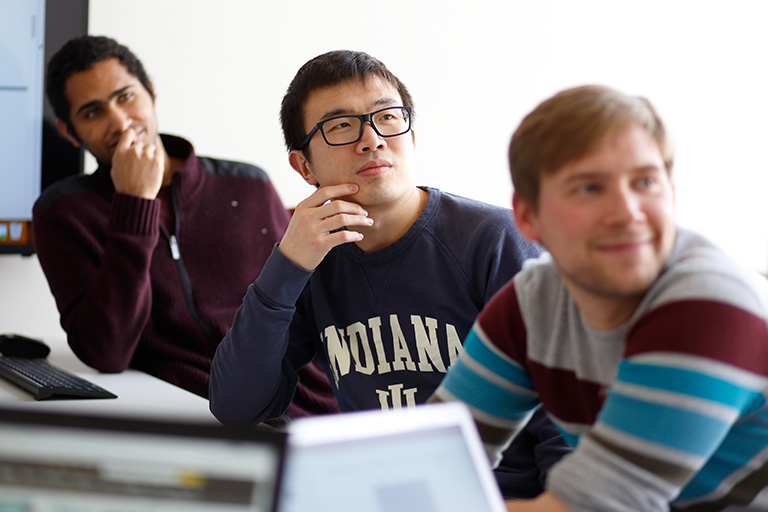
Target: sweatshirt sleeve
(253, 375)
(104, 295)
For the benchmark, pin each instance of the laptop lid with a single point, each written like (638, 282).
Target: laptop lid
(57, 462)
(427, 459)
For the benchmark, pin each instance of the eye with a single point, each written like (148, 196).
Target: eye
(587, 189)
(390, 117)
(90, 114)
(127, 95)
(648, 183)
(337, 125)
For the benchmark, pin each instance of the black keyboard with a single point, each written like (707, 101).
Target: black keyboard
(45, 380)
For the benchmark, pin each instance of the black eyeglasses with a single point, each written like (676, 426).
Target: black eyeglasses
(348, 129)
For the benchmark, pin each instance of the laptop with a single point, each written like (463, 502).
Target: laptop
(427, 458)
(66, 463)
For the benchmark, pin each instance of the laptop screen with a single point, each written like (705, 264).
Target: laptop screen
(425, 459)
(66, 463)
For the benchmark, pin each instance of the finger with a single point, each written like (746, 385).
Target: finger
(160, 157)
(138, 147)
(338, 207)
(126, 139)
(324, 194)
(331, 216)
(150, 151)
(342, 237)
(336, 222)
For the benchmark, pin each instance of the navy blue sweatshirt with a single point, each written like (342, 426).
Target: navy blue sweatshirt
(385, 325)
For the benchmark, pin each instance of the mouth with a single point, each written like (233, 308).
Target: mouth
(374, 168)
(140, 131)
(628, 247)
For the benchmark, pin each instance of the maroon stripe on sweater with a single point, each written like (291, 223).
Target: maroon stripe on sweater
(565, 396)
(704, 328)
(502, 322)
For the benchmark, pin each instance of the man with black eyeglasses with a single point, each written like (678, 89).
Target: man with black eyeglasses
(378, 278)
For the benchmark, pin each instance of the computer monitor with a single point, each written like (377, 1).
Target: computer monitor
(32, 152)
(425, 458)
(66, 462)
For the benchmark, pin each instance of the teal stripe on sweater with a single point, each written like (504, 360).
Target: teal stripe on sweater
(743, 444)
(505, 368)
(683, 430)
(494, 400)
(687, 382)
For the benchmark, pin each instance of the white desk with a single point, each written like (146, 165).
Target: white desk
(139, 395)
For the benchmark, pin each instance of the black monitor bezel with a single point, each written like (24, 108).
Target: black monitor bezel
(64, 19)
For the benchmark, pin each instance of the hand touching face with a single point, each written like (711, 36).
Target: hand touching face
(138, 166)
(315, 226)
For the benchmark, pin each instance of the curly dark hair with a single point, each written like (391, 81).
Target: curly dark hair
(80, 54)
(323, 71)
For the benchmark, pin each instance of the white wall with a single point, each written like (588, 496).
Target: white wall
(220, 70)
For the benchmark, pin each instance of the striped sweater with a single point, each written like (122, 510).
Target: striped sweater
(669, 409)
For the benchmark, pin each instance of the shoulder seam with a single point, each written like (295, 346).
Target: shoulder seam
(220, 167)
(67, 186)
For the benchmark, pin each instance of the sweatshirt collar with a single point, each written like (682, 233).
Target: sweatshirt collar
(396, 248)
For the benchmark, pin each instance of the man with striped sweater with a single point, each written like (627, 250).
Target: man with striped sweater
(646, 345)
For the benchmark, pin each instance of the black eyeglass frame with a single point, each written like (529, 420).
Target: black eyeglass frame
(364, 118)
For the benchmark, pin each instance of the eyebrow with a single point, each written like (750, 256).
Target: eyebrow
(591, 175)
(384, 101)
(98, 102)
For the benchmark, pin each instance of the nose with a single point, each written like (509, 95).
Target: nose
(370, 140)
(119, 120)
(625, 206)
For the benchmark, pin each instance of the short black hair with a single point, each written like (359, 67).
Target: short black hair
(324, 71)
(80, 54)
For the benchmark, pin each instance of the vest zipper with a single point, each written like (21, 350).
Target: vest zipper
(173, 244)
(175, 254)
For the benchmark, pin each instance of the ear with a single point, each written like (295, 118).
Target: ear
(300, 164)
(65, 132)
(674, 192)
(526, 218)
(152, 90)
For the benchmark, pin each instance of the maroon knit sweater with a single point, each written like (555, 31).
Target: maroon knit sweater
(121, 295)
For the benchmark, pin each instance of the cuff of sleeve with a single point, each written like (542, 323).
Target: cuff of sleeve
(282, 280)
(135, 215)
